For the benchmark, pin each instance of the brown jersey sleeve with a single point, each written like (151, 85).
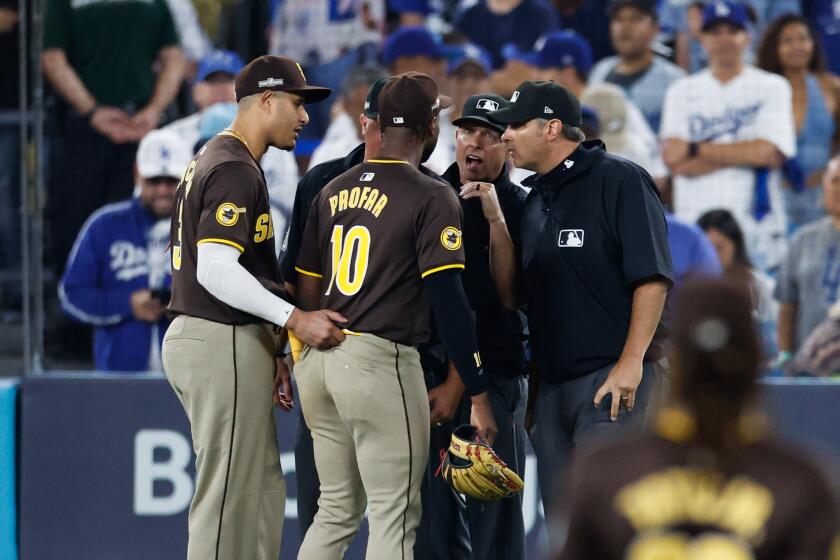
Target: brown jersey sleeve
(228, 206)
(438, 226)
(309, 255)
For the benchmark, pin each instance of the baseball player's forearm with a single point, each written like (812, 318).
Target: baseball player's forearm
(219, 272)
(456, 327)
(66, 82)
(173, 65)
(648, 303)
(503, 264)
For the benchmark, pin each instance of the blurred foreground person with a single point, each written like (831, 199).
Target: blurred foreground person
(708, 483)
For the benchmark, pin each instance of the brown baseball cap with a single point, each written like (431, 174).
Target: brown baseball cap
(277, 73)
(410, 99)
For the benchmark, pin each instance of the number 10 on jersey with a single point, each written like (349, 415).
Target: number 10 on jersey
(350, 254)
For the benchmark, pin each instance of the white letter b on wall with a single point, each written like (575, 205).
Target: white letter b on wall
(173, 470)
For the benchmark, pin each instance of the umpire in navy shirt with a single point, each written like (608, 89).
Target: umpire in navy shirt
(596, 269)
(492, 214)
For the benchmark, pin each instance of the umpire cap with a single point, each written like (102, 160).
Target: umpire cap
(372, 101)
(476, 108)
(276, 73)
(540, 100)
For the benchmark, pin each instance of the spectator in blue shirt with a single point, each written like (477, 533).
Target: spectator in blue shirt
(117, 277)
(692, 254)
(642, 75)
(589, 19)
(415, 49)
(492, 24)
(824, 16)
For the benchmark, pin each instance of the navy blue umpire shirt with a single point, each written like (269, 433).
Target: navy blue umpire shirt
(593, 230)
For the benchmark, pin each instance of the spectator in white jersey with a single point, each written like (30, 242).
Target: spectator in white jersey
(636, 69)
(809, 279)
(345, 131)
(727, 130)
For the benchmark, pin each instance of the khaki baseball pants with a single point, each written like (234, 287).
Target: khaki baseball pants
(365, 402)
(223, 375)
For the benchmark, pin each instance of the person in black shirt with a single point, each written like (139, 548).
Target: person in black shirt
(596, 269)
(492, 207)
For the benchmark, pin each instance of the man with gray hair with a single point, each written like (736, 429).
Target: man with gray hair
(595, 272)
(345, 131)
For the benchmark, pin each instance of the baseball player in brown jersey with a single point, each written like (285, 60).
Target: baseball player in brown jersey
(219, 351)
(709, 484)
(382, 242)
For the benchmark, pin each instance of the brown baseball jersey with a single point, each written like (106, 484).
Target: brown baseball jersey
(372, 235)
(653, 497)
(222, 198)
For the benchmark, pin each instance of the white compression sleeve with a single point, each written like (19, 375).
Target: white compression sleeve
(219, 272)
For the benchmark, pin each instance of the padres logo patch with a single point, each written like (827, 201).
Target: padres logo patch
(450, 237)
(228, 213)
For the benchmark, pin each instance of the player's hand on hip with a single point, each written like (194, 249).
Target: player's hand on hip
(317, 328)
(481, 417)
(284, 394)
(486, 192)
(622, 381)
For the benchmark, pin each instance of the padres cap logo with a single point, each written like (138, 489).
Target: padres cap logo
(450, 237)
(228, 213)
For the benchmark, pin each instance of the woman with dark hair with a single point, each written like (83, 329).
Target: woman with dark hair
(791, 49)
(709, 484)
(727, 238)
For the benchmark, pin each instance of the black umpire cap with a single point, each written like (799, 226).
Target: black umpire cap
(277, 73)
(372, 101)
(476, 108)
(540, 100)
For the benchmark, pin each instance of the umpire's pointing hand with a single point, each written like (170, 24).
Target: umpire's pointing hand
(317, 328)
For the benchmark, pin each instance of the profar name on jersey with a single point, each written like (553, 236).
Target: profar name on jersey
(367, 198)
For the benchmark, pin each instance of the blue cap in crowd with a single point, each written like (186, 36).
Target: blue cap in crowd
(725, 11)
(512, 51)
(410, 41)
(560, 49)
(458, 55)
(410, 6)
(219, 61)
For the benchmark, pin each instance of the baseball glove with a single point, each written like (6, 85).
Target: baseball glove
(471, 467)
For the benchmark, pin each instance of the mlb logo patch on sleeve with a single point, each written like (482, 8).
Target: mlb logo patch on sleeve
(570, 238)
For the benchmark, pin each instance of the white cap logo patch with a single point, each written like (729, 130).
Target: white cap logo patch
(367, 177)
(548, 110)
(570, 238)
(399, 120)
(487, 105)
(270, 82)
(568, 163)
(514, 97)
(721, 9)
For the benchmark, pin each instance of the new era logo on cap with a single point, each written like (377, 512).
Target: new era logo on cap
(399, 120)
(514, 97)
(487, 105)
(270, 82)
(548, 110)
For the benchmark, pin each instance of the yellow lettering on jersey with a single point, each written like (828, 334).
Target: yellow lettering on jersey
(354, 197)
(342, 200)
(264, 227)
(374, 194)
(363, 196)
(380, 205)
(685, 496)
(333, 204)
(188, 177)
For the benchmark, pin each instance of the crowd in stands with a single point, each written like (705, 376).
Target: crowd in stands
(731, 106)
